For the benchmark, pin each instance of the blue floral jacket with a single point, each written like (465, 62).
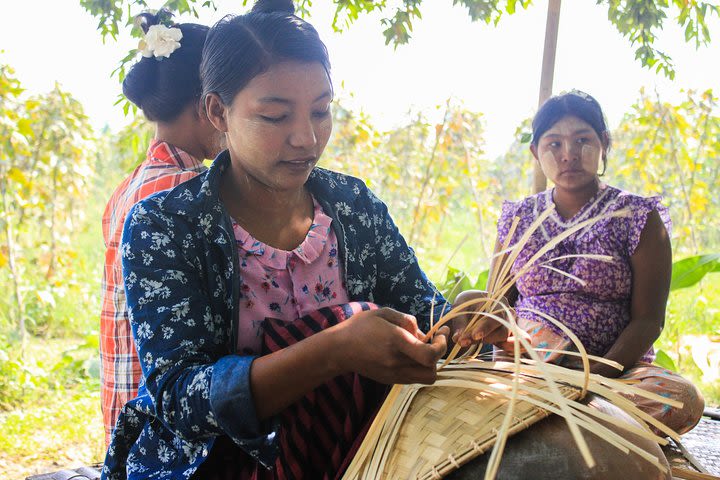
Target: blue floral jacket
(180, 269)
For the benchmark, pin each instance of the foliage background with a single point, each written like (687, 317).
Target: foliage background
(56, 173)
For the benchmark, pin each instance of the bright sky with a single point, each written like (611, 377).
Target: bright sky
(492, 70)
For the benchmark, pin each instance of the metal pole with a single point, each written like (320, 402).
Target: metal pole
(546, 77)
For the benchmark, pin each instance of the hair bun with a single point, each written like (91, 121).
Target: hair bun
(140, 81)
(274, 6)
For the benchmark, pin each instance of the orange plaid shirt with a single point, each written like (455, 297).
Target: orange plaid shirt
(165, 167)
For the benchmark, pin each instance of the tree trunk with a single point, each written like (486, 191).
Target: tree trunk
(53, 242)
(546, 77)
(14, 273)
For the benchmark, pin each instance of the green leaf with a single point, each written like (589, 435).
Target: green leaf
(481, 283)
(664, 360)
(689, 271)
(689, 32)
(457, 281)
(91, 341)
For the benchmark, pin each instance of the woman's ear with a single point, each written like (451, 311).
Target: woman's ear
(605, 140)
(216, 110)
(533, 149)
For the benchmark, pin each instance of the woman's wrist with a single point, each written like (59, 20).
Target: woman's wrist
(333, 341)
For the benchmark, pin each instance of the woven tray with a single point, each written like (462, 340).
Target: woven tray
(445, 427)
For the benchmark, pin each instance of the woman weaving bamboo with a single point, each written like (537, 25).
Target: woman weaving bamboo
(617, 309)
(249, 286)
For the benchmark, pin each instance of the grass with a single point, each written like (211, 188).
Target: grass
(57, 423)
(693, 313)
(64, 431)
(458, 245)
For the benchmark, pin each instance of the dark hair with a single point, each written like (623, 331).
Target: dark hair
(239, 48)
(577, 104)
(163, 87)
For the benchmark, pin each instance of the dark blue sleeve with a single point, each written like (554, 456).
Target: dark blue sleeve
(198, 390)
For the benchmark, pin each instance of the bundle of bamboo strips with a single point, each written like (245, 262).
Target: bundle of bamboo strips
(426, 432)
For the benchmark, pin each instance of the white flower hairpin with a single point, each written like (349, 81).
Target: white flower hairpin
(160, 41)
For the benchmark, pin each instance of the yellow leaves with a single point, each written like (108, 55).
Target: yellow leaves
(363, 135)
(32, 104)
(24, 126)
(19, 143)
(16, 175)
(659, 149)
(672, 149)
(698, 201)
(653, 188)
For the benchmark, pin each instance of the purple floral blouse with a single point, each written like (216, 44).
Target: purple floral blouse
(599, 310)
(286, 285)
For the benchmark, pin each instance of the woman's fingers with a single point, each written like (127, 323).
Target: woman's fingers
(402, 320)
(423, 353)
(498, 335)
(458, 327)
(439, 342)
(485, 328)
(410, 370)
(387, 346)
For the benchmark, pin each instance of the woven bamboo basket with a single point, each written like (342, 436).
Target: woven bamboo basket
(426, 432)
(446, 427)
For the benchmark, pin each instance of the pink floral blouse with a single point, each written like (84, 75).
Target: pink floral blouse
(286, 285)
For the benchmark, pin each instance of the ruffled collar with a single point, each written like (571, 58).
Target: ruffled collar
(586, 211)
(307, 252)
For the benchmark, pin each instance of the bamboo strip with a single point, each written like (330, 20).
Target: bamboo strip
(526, 385)
(574, 430)
(495, 270)
(494, 461)
(686, 474)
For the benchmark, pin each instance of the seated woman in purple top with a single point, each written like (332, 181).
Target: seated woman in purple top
(618, 308)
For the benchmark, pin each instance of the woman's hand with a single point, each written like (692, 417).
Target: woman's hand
(386, 346)
(486, 329)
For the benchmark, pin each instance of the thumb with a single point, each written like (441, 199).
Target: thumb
(458, 326)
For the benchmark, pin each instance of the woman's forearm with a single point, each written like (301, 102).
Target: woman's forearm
(634, 341)
(281, 378)
(384, 345)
